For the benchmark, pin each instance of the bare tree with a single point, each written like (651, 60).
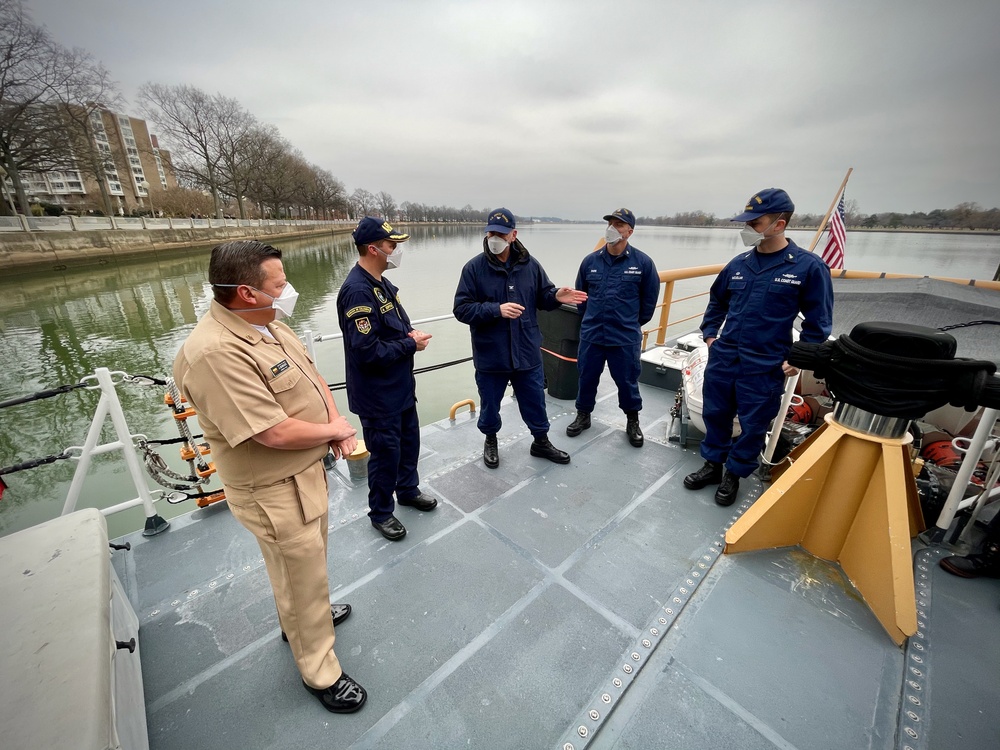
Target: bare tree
(189, 120)
(82, 92)
(325, 193)
(363, 203)
(31, 138)
(386, 205)
(234, 129)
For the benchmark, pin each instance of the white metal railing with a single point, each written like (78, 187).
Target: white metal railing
(110, 405)
(311, 339)
(67, 223)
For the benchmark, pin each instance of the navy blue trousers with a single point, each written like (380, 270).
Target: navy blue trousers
(528, 390)
(727, 392)
(394, 445)
(624, 365)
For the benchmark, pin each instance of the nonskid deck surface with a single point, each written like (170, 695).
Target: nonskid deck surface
(506, 616)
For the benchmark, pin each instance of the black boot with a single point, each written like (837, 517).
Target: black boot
(542, 448)
(985, 563)
(578, 425)
(710, 473)
(632, 428)
(491, 454)
(728, 489)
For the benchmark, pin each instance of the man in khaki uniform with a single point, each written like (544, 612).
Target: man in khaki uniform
(271, 419)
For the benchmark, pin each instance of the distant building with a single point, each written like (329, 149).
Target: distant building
(131, 156)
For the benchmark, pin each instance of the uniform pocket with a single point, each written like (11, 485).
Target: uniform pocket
(285, 381)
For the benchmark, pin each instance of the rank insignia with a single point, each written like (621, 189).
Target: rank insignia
(364, 325)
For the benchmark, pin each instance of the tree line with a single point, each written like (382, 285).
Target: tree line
(964, 216)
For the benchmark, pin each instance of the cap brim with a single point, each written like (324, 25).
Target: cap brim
(612, 217)
(497, 228)
(398, 237)
(748, 215)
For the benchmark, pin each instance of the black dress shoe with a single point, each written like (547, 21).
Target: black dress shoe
(345, 696)
(340, 612)
(542, 448)
(981, 564)
(420, 502)
(728, 489)
(390, 528)
(578, 425)
(632, 429)
(710, 473)
(491, 454)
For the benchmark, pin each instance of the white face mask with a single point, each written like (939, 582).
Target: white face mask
(393, 259)
(283, 305)
(751, 237)
(497, 244)
(612, 235)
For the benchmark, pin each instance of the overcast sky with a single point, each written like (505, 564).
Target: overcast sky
(573, 108)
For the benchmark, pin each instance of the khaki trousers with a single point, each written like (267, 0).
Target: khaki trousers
(289, 520)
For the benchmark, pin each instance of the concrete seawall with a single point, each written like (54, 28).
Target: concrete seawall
(40, 251)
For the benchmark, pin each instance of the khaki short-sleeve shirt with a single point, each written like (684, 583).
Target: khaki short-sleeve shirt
(241, 382)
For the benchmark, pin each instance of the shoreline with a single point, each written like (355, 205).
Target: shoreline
(58, 251)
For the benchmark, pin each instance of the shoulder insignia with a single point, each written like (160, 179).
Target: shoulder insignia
(379, 294)
(359, 309)
(364, 325)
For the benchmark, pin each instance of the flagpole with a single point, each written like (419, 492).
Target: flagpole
(822, 224)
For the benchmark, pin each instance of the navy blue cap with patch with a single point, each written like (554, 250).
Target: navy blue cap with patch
(371, 229)
(622, 214)
(770, 201)
(500, 220)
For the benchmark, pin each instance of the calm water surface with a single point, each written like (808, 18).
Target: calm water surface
(58, 326)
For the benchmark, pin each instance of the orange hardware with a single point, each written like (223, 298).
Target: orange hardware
(204, 502)
(187, 453)
(169, 400)
(189, 412)
(942, 453)
(206, 472)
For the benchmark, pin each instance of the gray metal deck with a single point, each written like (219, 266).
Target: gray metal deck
(507, 615)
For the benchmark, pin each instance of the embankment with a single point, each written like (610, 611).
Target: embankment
(39, 251)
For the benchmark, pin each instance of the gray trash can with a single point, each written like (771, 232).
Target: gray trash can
(560, 344)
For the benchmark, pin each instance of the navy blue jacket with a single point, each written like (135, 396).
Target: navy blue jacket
(504, 344)
(377, 349)
(622, 294)
(757, 297)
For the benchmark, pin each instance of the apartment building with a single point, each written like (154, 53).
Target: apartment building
(136, 169)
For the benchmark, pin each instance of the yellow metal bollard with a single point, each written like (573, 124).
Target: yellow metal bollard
(849, 498)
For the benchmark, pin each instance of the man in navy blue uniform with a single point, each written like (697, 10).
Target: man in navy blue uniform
(622, 288)
(379, 344)
(748, 328)
(498, 295)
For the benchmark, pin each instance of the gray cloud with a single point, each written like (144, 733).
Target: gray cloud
(568, 108)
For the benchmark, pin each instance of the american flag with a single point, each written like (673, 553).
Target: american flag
(833, 253)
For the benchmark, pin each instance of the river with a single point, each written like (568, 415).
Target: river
(132, 316)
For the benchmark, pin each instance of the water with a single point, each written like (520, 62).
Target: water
(132, 316)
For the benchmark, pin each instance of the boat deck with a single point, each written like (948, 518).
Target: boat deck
(546, 606)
